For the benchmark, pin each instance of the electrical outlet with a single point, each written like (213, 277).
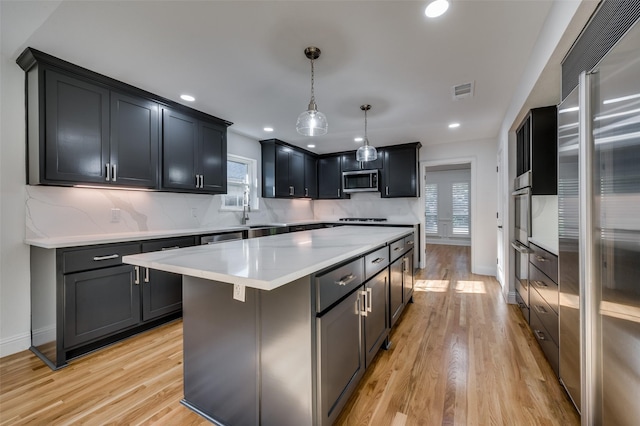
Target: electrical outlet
(115, 215)
(238, 292)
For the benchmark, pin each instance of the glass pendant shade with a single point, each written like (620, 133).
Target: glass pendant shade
(366, 153)
(312, 123)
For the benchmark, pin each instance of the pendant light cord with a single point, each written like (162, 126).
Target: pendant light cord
(366, 139)
(313, 98)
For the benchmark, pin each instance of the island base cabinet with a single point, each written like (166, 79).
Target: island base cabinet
(396, 289)
(341, 360)
(376, 323)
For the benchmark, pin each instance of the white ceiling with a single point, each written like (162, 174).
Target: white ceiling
(244, 61)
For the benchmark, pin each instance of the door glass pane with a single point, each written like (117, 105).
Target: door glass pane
(431, 208)
(460, 208)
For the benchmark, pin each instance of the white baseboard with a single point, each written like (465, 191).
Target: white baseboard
(14, 344)
(484, 270)
(448, 241)
(511, 298)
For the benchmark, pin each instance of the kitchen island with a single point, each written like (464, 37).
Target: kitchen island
(275, 328)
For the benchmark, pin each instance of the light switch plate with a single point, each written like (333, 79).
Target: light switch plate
(238, 292)
(115, 215)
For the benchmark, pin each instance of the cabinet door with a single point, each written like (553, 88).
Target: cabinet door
(400, 172)
(310, 177)
(349, 163)
(376, 328)
(179, 149)
(396, 290)
(161, 291)
(407, 276)
(213, 158)
(330, 178)
(341, 359)
(134, 141)
(282, 172)
(99, 303)
(77, 130)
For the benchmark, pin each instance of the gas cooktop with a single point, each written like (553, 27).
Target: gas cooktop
(362, 219)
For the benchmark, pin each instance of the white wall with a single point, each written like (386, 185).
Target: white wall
(482, 156)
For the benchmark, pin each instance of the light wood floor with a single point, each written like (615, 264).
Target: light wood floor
(459, 356)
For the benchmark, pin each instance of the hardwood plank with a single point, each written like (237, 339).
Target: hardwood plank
(459, 355)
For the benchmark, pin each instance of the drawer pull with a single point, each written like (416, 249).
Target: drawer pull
(378, 260)
(540, 309)
(539, 334)
(136, 279)
(397, 248)
(539, 284)
(410, 243)
(172, 248)
(111, 256)
(541, 259)
(522, 305)
(346, 279)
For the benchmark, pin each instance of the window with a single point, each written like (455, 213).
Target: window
(431, 208)
(460, 208)
(242, 184)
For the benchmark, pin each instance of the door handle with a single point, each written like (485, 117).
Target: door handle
(539, 334)
(540, 309)
(114, 173)
(369, 299)
(146, 275)
(108, 172)
(363, 312)
(136, 279)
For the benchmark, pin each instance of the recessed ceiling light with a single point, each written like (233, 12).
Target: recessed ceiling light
(358, 139)
(436, 8)
(454, 125)
(311, 145)
(187, 98)
(268, 129)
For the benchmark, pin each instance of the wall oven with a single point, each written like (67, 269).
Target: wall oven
(522, 208)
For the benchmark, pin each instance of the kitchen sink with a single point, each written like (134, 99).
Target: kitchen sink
(263, 231)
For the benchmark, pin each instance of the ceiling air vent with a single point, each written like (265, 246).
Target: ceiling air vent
(462, 91)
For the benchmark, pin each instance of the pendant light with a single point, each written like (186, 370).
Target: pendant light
(312, 122)
(366, 152)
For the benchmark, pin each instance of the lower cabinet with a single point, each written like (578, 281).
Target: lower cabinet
(98, 303)
(162, 291)
(407, 276)
(376, 319)
(396, 290)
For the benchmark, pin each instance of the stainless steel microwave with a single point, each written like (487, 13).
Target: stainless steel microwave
(360, 181)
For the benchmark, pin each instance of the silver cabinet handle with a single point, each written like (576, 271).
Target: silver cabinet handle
(338, 192)
(306, 192)
(387, 191)
(108, 172)
(369, 299)
(136, 280)
(363, 312)
(541, 259)
(378, 260)
(540, 309)
(197, 181)
(110, 256)
(410, 242)
(146, 275)
(170, 248)
(291, 190)
(201, 181)
(539, 334)
(274, 191)
(114, 174)
(405, 260)
(397, 248)
(346, 279)
(521, 248)
(522, 305)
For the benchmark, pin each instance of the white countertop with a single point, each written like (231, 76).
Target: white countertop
(87, 240)
(269, 262)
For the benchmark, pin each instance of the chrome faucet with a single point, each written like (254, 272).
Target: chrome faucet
(246, 208)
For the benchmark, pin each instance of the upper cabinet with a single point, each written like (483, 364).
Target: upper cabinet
(400, 170)
(350, 164)
(330, 177)
(287, 172)
(85, 128)
(537, 150)
(194, 154)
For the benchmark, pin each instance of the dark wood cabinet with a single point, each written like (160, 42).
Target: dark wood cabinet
(537, 150)
(330, 177)
(98, 303)
(135, 141)
(74, 145)
(400, 174)
(162, 291)
(194, 154)
(310, 176)
(287, 171)
(396, 290)
(86, 128)
(376, 323)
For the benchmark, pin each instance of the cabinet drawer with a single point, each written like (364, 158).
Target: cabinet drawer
(332, 285)
(548, 346)
(545, 261)
(522, 287)
(544, 286)
(396, 249)
(545, 314)
(173, 243)
(409, 242)
(96, 257)
(376, 261)
(523, 306)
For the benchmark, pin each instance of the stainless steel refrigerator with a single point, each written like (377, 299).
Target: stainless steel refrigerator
(599, 238)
